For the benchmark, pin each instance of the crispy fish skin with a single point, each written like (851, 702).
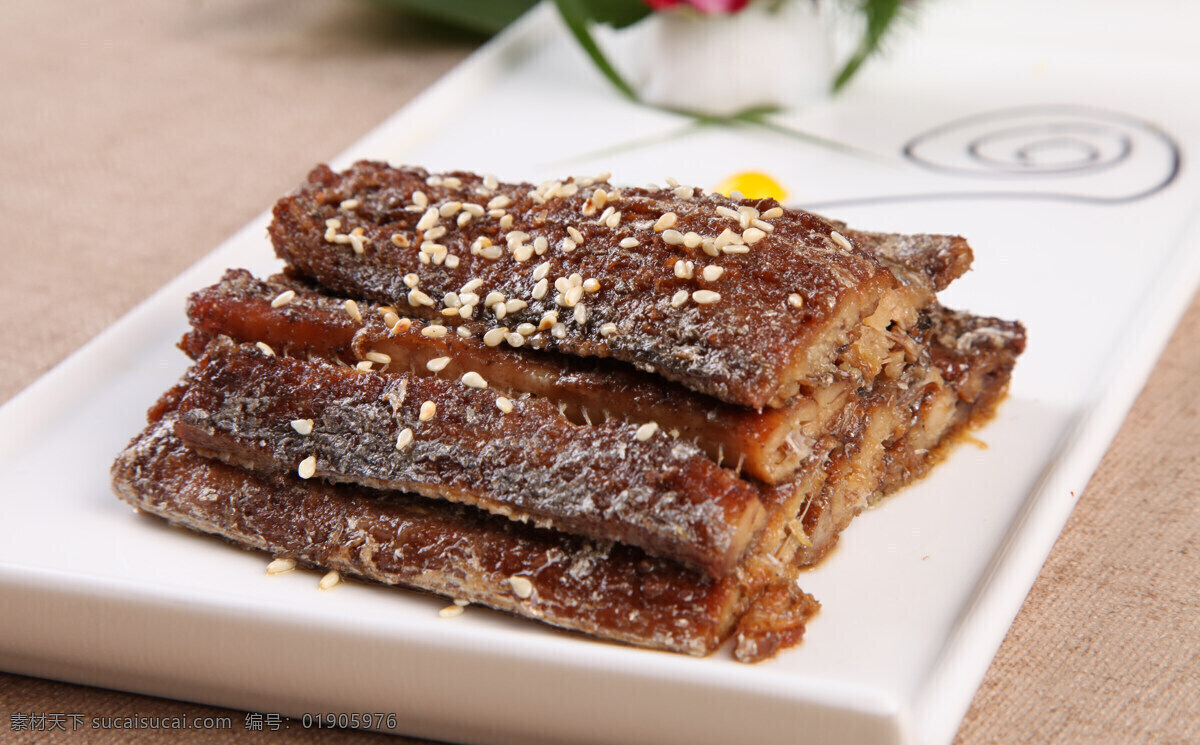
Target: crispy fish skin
(608, 590)
(752, 346)
(762, 444)
(603, 481)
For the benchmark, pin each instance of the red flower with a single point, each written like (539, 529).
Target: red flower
(710, 7)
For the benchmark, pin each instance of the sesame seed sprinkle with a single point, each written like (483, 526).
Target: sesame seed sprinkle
(307, 468)
(795, 300)
(283, 298)
(452, 182)
(364, 366)
(450, 209)
(773, 213)
(474, 380)
(503, 404)
(471, 286)
(630, 242)
(349, 204)
(330, 580)
(666, 221)
(753, 235)
(490, 182)
(840, 239)
(646, 431)
(684, 269)
(437, 364)
(514, 339)
(581, 314)
(673, 238)
(428, 220)
(378, 357)
(679, 298)
(691, 240)
(712, 272)
(706, 297)
(724, 211)
(614, 219)
(506, 222)
(575, 235)
(434, 332)
(521, 586)
(415, 298)
(540, 271)
(411, 280)
(428, 411)
(591, 285)
(281, 566)
(420, 199)
(608, 329)
(450, 611)
(302, 426)
(404, 439)
(402, 325)
(265, 348)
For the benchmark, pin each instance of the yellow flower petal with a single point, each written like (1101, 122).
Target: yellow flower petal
(753, 185)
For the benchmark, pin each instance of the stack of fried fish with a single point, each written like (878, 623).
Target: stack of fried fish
(634, 413)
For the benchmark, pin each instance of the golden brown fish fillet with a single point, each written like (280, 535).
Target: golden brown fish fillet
(741, 300)
(443, 438)
(767, 445)
(608, 590)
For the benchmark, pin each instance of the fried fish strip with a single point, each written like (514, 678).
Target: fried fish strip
(448, 440)
(785, 291)
(608, 590)
(767, 445)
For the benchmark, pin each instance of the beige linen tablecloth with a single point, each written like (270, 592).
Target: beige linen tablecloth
(136, 136)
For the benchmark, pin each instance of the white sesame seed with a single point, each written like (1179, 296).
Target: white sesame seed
(726, 238)
(607, 213)
(514, 340)
(302, 426)
(691, 240)
(378, 357)
(364, 366)
(451, 312)
(404, 439)
(428, 410)
(307, 468)
(724, 211)
(450, 209)
(629, 242)
(679, 298)
(499, 202)
(349, 204)
(735, 249)
(424, 258)
(523, 253)
(490, 182)
(471, 286)
(549, 318)
(591, 285)
(434, 332)
(712, 272)
(416, 297)
(420, 199)
(521, 587)
(450, 611)
(411, 280)
(753, 235)
(541, 270)
(474, 210)
(599, 198)
(540, 245)
(491, 252)
(437, 364)
(795, 300)
(428, 220)
(399, 240)
(575, 235)
(330, 580)
(706, 297)
(763, 225)
(736, 195)
(515, 305)
(684, 269)
(568, 245)
(496, 213)
(672, 237)
(283, 298)
(352, 309)
(474, 380)
(356, 242)
(500, 310)
(581, 314)
(526, 329)
(434, 233)
(683, 192)
(464, 332)
(506, 222)
(614, 219)
(539, 289)
(559, 331)
(608, 329)
(772, 213)
(646, 431)
(452, 182)
(265, 348)
(710, 246)
(840, 239)
(573, 296)
(666, 221)
(281, 566)
(503, 404)
(434, 180)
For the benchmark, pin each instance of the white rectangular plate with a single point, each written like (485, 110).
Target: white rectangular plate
(1097, 259)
